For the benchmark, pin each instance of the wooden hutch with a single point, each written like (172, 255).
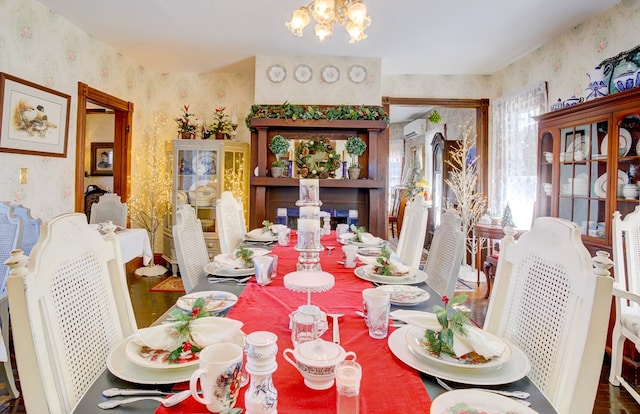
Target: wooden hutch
(367, 195)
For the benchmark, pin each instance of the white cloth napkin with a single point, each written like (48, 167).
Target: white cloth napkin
(368, 238)
(397, 267)
(257, 233)
(344, 237)
(204, 331)
(228, 261)
(476, 340)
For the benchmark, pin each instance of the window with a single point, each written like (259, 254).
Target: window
(513, 153)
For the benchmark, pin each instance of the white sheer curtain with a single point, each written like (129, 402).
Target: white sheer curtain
(513, 153)
(396, 156)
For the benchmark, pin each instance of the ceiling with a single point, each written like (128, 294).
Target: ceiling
(410, 36)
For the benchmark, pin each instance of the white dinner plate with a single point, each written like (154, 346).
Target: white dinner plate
(359, 244)
(214, 300)
(517, 367)
(624, 143)
(418, 278)
(369, 251)
(370, 269)
(211, 269)
(580, 143)
(263, 237)
(120, 366)
(600, 186)
(406, 295)
(415, 339)
(133, 352)
(482, 401)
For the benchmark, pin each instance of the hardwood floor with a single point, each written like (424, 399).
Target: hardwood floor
(148, 306)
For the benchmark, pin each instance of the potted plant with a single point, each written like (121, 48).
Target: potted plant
(355, 147)
(279, 146)
(186, 127)
(221, 126)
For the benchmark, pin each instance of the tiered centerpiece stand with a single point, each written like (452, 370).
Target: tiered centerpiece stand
(309, 231)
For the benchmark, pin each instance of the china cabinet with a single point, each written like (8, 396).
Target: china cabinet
(201, 170)
(366, 195)
(589, 167)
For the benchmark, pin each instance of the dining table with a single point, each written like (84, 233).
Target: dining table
(389, 383)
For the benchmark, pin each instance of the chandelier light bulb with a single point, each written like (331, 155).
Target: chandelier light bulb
(299, 21)
(357, 12)
(324, 10)
(324, 30)
(356, 32)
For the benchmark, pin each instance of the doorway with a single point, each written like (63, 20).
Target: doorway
(123, 117)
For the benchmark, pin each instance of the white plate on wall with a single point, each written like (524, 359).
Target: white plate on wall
(516, 368)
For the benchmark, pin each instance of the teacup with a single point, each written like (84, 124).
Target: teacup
(548, 156)
(220, 376)
(316, 361)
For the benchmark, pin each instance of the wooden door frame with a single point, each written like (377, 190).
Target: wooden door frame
(121, 141)
(482, 126)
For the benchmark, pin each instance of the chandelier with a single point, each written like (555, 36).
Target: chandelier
(326, 13)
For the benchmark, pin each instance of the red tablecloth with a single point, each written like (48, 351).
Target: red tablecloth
(388, 385)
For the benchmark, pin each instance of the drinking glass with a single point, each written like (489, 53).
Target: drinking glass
(376, 304)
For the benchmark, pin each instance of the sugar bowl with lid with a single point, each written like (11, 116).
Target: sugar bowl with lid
(316, 361)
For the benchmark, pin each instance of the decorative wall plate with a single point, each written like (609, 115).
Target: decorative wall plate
(330, 74)
(357, 74)
(303, 73)
(276, 73)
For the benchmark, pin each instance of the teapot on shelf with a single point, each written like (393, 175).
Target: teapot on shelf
(597, 86)
(572, 101)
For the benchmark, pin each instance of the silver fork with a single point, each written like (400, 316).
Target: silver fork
(513, 394)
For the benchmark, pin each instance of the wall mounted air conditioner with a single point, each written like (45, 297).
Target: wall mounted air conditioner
(415, 128)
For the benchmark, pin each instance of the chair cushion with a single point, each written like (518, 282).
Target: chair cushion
(631, 321)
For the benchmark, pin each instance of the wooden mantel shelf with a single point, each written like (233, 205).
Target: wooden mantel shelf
(367, 195)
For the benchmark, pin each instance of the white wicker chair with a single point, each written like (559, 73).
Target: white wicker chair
(413, 232)
(72, 306)
(191, 247)
(626, 292)
(230, 222)
(445, 254)
(11, 230)
(109, 207)
(548, 301)
(30, 230)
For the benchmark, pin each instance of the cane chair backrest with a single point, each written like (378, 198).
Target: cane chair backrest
(109, 208)
(31, 228)
(445, 254)
(230, 222)
(413, 232)
(191, 247)
(549, 302)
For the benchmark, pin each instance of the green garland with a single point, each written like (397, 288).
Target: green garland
(308, 167)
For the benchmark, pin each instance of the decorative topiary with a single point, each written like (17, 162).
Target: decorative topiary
(355, 146)
(279, 145)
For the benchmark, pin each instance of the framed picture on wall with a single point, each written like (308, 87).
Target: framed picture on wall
(34, 119)
(102, 158)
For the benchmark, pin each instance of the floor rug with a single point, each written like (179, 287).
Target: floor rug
(462, 286)
(170, 284)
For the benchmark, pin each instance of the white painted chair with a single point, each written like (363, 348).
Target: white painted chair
(230, 222)
(109, 207)
(72, 307)
(413, 232)
(11, 230)
(30, 230)
(626, 292)
(445, 254)
(549, 302)
(191, 247)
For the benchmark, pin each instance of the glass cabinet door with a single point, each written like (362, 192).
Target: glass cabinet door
(628, 157)
(583, 177)
(235, 167)
(196, 183)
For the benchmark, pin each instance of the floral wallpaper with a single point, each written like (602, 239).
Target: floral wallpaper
(42, 47)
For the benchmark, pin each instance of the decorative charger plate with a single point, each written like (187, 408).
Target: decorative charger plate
(370, 270)
(516, 368)
(418, 278)
(600, 186)
(406, 295)
(120, 366)
(357, 74)
(415, 340)
(481, 401)
(624, 143)
(580, 143)
(276, 73)
(134, 353)
(303, 73)
(214, 300)
(330, 74)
